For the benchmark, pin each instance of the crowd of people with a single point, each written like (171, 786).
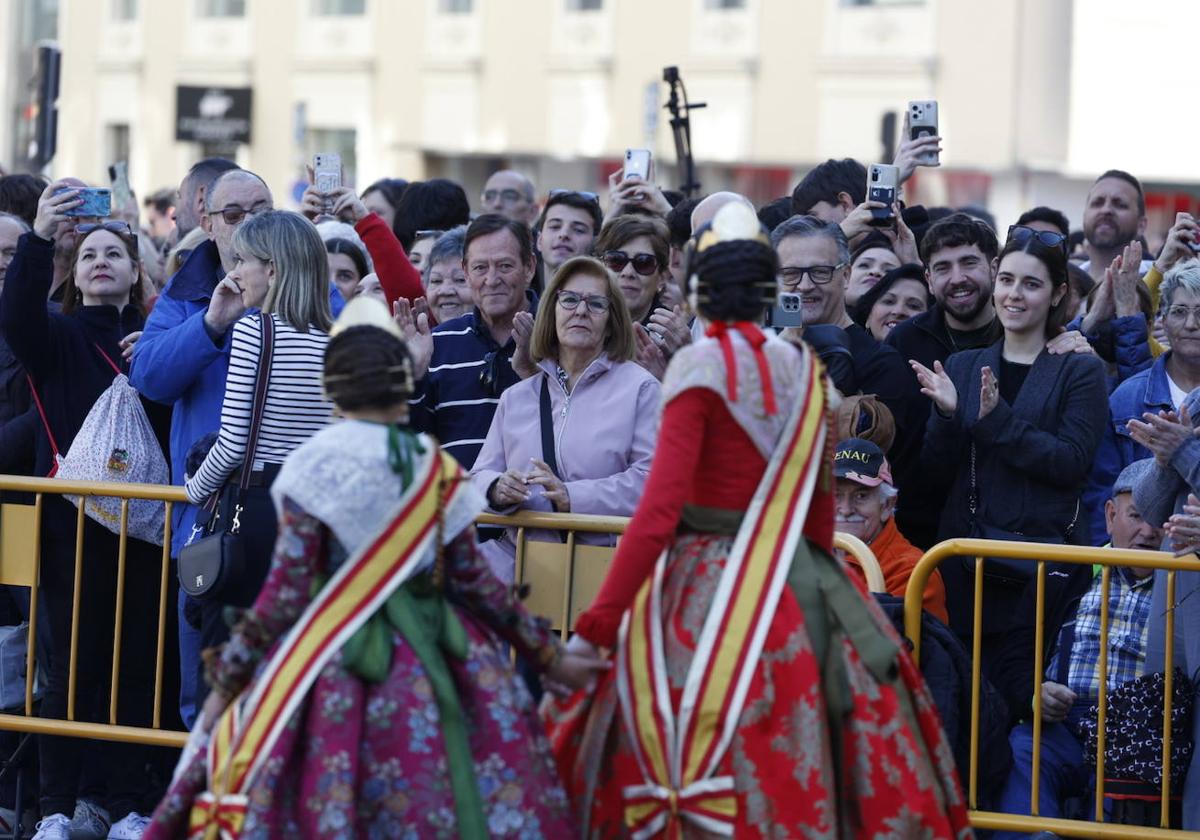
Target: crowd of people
(311, 375)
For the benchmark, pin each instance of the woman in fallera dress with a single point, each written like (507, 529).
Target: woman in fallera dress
(757, 691)
(366, 693)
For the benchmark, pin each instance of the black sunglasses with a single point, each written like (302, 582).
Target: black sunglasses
(1021, 234)
(643, 264)
(584, 194)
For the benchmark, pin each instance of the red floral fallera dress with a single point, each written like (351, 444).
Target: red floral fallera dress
(839, 748)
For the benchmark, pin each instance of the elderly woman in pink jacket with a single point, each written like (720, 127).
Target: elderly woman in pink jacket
(579, 434)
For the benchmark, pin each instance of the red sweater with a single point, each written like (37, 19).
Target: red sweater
(397, 275)
(703, 458)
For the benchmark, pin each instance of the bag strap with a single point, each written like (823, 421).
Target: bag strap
(108, 359)
(261, 380)
(45, 423)
(973, 496)
(548, 453)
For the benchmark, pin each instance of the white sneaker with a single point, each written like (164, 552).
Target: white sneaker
(129, 828)
(90, 822)
(53, 827)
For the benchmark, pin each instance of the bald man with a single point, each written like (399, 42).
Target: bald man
(510, 194)
(707, 209)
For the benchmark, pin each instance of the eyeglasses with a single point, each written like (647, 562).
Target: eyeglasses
(791, 276)
(1020, 234)
(1180, 314)
(585, 195)
(596, 304)
(233, 213)
(643, 264)
(427, 234)
(113, 226)
(508, 196)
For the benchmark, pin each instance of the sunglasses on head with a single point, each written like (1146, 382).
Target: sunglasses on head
(1021, 234)
(113, 225)
(427, 234)
(584, 194)
(643, 264)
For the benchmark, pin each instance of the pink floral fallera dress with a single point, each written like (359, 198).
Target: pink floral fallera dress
(361, 759)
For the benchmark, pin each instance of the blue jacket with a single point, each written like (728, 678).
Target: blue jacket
(176, 362)
(1148, 391)
(1124, 342)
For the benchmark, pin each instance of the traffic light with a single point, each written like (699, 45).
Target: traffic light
(47, 69)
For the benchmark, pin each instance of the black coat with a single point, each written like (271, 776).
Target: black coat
(1032, 461)
(946, 666)
(924, 338)
(62, 353)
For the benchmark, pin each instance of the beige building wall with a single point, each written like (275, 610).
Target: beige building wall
(1022, 87)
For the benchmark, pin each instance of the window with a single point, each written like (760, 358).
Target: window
(337, 140)
(339, 8)
(124, 10)
(724, 5)
(116, 141)
(221, 8)
(456, 7)
(585, 5)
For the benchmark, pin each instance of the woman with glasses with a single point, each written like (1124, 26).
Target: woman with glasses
(577, 436)
(637, 249)
(72, 358)
(756, 690)
(1013, 435)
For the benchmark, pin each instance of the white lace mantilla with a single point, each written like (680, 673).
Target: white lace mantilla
(702, 365)
(342, 477)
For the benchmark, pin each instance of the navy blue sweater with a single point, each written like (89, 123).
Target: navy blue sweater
(453, 402)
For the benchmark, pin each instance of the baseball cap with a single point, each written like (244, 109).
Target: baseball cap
(862, 461)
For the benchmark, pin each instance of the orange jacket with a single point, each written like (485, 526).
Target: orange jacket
(897, 557)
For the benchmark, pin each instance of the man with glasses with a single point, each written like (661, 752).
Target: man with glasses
(182, 359)
(511, 195)
(567, 227)
(814, 263)
(466, 364)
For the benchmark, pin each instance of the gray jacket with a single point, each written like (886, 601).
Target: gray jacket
(1158, 494)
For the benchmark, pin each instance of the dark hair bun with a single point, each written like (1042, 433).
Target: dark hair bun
(367, 367)
(735, 280)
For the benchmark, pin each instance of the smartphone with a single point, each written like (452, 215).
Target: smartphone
(637, 162)
(923, 122)
(95, 202)
(327, 171)
(883, 183)
(118, 174)
(786, 312)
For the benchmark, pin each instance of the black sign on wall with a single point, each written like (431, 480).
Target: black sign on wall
(212, 114)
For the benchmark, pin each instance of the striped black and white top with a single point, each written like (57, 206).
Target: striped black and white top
(296, 407)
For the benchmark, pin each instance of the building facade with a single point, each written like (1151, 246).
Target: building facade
(1035, 96)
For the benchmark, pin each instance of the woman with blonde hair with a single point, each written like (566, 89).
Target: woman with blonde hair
(556, 442)
(281, 274)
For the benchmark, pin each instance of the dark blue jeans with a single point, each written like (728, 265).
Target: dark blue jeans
(1063, 773)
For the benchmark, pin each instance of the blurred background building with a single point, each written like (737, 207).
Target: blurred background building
(1036, 97)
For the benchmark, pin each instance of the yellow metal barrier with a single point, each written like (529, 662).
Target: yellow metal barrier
(565, 577)
(1041, 554)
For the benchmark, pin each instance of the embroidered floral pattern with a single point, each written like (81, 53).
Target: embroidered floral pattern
(362, 760)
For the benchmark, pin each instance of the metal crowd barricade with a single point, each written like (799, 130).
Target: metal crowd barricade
(564, 577)
(1042, 553)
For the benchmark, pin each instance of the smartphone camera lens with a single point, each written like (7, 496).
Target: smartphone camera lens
(874, 174)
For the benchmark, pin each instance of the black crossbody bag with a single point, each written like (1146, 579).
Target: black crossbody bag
(215, 566)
